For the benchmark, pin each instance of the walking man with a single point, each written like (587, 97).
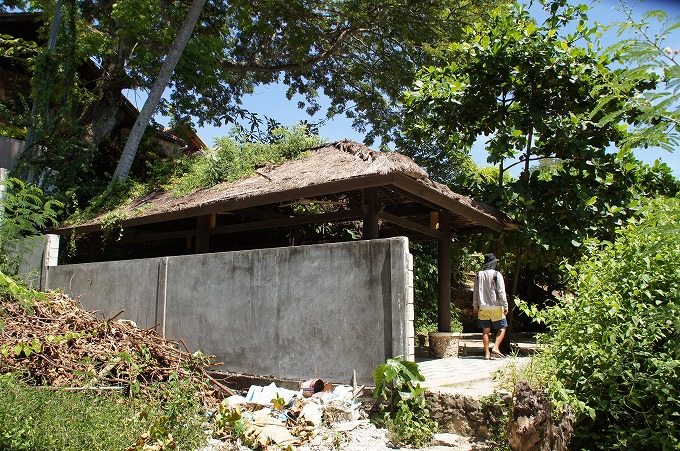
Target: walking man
(490, 304)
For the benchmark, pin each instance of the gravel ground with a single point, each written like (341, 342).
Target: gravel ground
(366, 437)
(361, 435)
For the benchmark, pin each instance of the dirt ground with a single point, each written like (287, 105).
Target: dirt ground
(366, 437)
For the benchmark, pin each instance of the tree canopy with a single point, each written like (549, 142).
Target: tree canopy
(533, 92)
(359, 53)
(647, 56)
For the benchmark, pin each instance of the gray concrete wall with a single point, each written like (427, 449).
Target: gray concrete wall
(299, 312)
(34, 254)
(10, 151)
(109, 287)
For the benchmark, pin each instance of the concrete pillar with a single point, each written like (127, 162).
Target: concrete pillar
(3, 188)
(50, 258)
(444, 265)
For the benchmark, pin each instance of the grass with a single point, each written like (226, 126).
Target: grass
(43, 419)
(230, 160)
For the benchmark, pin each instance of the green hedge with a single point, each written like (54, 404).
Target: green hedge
(614, 342)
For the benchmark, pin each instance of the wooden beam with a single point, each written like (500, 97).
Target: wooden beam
(434, 219)
(425, 194)
(204, 226)
(336, 216)
(369, 205)
(255, 213)
(425, 230)
(444, 264)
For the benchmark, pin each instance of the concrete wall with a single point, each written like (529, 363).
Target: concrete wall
(34, 254)
(298, 312)
(10, 150)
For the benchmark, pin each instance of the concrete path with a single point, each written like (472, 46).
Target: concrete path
(469, 374)
(466, 375)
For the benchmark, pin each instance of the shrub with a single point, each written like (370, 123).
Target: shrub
(232, 161)
(406, 417)
(25, 213)
(614, 343)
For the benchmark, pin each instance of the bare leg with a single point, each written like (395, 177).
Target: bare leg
(499, 339)
(485, 340)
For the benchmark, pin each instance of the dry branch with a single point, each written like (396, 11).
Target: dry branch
(56, 343)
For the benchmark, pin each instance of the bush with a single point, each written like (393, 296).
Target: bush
(406, 417)
(614, 343)
(25, 213)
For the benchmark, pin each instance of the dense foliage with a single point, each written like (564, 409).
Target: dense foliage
(360, 54)
(614, 343)
(24, 212)
(532, 91)
(406, 417)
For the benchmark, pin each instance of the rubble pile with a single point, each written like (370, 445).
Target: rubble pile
(54, 342)
(271, 415)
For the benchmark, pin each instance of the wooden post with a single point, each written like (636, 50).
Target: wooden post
(96, 246)
(444, 264)
(370, 206)
(203, 224)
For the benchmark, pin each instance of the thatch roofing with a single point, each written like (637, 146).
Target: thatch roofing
(335, 174)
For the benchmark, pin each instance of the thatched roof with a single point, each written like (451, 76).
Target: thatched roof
(336, 174)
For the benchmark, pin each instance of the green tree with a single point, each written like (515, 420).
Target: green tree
(360, 53)
(533, 92)
(527, 88)
(648, 58)
(613, 347)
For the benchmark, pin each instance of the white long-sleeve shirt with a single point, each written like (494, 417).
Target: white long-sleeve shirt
(489, 293)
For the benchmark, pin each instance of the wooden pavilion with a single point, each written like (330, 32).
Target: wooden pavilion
(345, 184)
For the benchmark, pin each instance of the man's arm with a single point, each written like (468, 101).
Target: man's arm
(475, 296)
(500, 290)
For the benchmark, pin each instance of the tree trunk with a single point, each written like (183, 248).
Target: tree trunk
(104, 114)
(533, 428)
(29, 142)
(183, 36)
(506, 344)
(101, 117)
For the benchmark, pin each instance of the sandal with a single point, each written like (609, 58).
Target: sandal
(497, 353)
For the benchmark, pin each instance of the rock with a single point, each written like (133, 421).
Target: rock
(532, 428)
(465, 415)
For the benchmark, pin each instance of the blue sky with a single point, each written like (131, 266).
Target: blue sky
(272, 102)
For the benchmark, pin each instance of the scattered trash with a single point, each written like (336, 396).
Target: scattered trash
(311, 413)
(312, 386)
(266, 429)
(236, 400)
(264, 396)
(283, 417)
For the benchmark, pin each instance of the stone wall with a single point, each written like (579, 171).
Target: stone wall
(468, 416)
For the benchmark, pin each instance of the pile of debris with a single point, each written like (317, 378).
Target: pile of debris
(51, 341)
(271, 415)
